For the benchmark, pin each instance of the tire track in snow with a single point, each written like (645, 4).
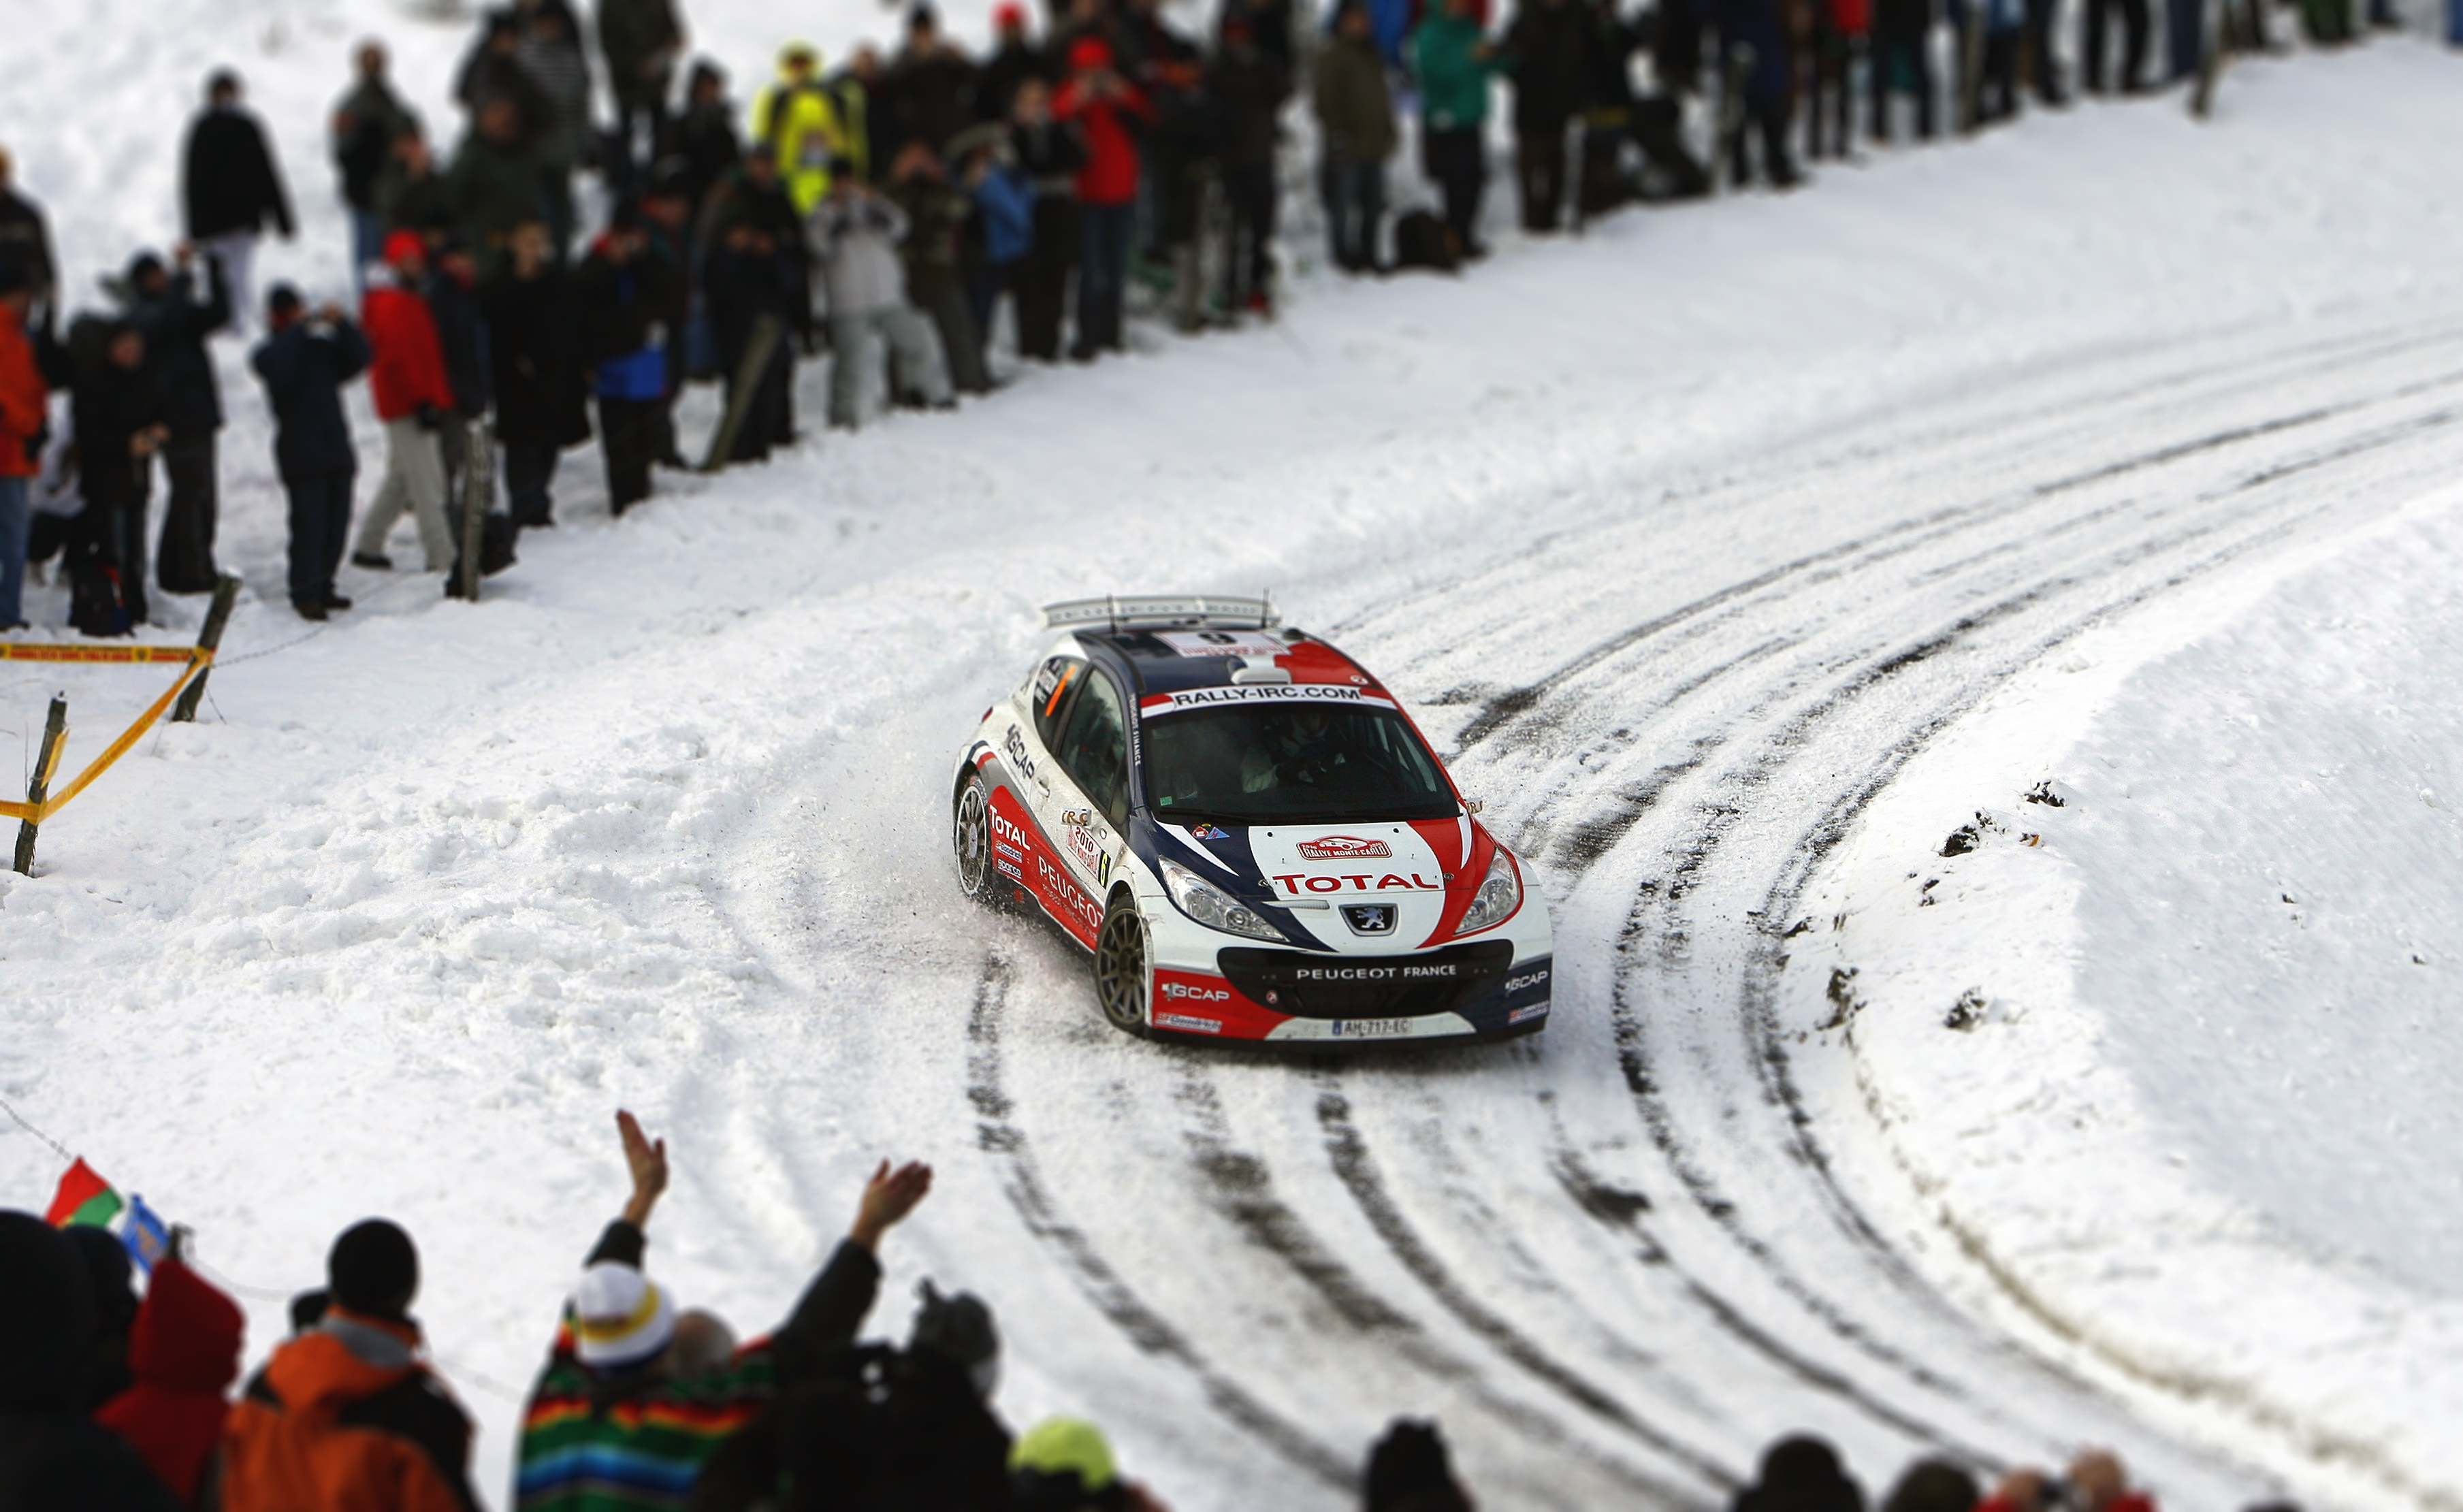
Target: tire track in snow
(999, 1138)
(1239, 1186)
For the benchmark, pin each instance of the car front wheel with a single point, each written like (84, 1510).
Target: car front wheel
(971, 833)
(1123, 974)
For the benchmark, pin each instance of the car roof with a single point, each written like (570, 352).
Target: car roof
(1171, 662)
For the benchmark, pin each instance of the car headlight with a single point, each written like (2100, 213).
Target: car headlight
(1211, 907)
(1500, 893)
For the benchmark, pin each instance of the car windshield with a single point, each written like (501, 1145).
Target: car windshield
(1305, 762)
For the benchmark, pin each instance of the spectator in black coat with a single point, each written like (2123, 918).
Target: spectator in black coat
(361, 136)
(452, 293)
(667, 227)
(411, 195)
(232, 188)
(640, 40)
(754, 265)
(493, 71)
(1050, 154)
(1543, 52)
(1248, 85)
(707, 142)
(932, 86)
(534, 346)
(1014, 59)
(175, 323)
(304, 365)
(117, 412)
(26, 242)
(53, 1456)
(623, 293)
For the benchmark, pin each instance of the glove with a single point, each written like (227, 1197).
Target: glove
(429, 417)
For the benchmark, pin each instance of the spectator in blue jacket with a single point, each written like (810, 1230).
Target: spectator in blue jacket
(1004, 197)
(304, 365)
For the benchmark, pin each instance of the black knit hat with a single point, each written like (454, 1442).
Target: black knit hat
(1410, 1467)
(373, 1269)
(958, 1329)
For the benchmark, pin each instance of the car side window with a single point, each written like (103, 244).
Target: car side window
(1095, 749)
(1055, 681)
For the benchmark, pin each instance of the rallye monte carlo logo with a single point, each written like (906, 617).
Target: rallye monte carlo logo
(1344, 847)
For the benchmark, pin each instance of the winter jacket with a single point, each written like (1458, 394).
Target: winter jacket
(594, 1442)
(804, 128)
(1453, 79)
(1110, 177)
(490, 75)
(303, 370)
(1355, 110)
(462, 337)
(347, 1416)
(406, 371)
(1609, 47)
(26, 241)
(175, 328)
(1543, 50)
(422, 203)
(856, 237)
(109, 406)
(228, 181)
(185, 1354)
(1050, 158)
(623, 322)
(706, 141)
(1005, 202)
(996, 83)
(534, 345)
(932, 97)
(1902, 19)
(935, 214)
(640, 39)
(494, 187)
(914, 1439)
(1248, 87)
(24, 401)
(51, 1457)
(1760, 26)
(361, 137)
(562, 137)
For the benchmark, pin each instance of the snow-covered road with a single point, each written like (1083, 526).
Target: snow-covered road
(1684, 540)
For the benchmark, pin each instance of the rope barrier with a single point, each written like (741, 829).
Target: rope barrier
(198, 659)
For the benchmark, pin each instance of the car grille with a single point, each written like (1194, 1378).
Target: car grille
(1307, 985)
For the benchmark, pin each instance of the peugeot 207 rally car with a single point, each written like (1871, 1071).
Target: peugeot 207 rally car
(1248, 834)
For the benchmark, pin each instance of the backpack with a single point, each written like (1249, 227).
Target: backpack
(98, 605)
(1421, 240)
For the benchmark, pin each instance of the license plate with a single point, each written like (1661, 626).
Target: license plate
(1371, 1028)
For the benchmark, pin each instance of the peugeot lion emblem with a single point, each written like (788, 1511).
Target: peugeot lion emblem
(1369, 918)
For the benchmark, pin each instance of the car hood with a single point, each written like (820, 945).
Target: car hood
(1358, 889)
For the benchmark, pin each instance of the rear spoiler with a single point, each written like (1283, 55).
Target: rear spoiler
(1178, 613)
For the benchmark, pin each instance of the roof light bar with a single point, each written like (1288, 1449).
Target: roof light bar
(1185, 612)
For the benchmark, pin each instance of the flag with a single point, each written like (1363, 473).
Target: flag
(147, 1236)
(83, 1198)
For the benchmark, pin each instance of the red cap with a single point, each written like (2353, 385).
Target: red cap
(1089, 52)
(1008, 16)
(403, 244)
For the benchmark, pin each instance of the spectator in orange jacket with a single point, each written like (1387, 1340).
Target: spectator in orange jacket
(413, 396)
(23, 408)
(347, 1414)
(183, 1352)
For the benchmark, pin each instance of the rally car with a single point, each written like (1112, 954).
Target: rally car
(1247, 833)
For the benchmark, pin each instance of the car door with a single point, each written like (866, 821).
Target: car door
(1090, 793)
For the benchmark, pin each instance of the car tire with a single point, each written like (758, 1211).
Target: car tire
(970, 836)
(1124, 966)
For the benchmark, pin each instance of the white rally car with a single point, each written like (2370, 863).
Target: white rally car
(1248, 833)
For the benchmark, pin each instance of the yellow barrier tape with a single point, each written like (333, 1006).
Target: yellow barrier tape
(45, 651)
(197, 658)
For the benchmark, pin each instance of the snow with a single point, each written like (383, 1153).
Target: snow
(2202, 1101)
(661, 824)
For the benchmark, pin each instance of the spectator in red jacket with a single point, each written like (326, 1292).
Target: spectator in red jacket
(413, 395)
(24, 404)
(2097, 1482)
(1108, 109)
(183, 1352)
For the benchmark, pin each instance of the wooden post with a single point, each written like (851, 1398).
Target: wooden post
(757, 350)
(210, 639)
(56, 730)
(478, 491)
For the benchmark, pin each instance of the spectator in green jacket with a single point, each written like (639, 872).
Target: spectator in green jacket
(1452, 57)
(1355, 115)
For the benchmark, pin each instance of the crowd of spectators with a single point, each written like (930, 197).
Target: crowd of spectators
(900, 203)
(111, 1401)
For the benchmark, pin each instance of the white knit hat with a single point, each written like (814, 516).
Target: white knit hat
(619, 1317)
